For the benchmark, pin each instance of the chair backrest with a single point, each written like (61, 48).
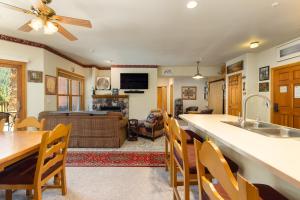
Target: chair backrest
(211, 157)
(179, 142)
(30, 122)
(52, 153)
(166, 119)
(2, 123)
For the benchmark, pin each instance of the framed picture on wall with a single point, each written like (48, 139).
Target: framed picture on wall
(189, 92)
(35, 76)
(264, 73)
(264, 87)
(50, 85)
(103, 83)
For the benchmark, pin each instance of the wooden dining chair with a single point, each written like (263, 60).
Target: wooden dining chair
(2, 123)
(30, 122)
(33, 173)
(228, 187)
(183, 161)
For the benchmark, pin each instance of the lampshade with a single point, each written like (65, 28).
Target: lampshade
(36, 23)
(50, 28)
(198, 75)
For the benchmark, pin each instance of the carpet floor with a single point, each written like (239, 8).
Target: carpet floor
(115, 159)
(93, 183)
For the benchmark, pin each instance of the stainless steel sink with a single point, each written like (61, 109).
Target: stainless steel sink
(267, 129)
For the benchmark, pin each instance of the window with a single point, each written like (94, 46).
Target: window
(70, 91)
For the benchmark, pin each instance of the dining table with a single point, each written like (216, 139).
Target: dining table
(16, 145)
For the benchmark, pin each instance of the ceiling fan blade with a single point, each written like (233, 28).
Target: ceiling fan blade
(73, 21)
(65, 33)
(15, 8)
(25, 27)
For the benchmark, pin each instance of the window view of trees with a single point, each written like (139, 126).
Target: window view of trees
(8, 89)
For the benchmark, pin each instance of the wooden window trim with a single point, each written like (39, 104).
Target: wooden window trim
(72, 76)
(22, 84)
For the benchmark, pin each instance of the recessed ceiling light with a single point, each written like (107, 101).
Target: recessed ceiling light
(192, 4)
(275, 4)
(254, 45)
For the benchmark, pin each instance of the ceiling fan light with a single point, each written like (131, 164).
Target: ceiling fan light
(36, 24)
(50, 28)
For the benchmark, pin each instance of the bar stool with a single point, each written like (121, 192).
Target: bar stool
(209, 156)
(183, 161)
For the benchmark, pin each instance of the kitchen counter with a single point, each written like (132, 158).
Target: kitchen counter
(280, 156)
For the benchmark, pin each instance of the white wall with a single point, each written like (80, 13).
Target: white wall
(139, 104)
(253, 61)
(183, 81)
(41, 60)
(188, 71)
(34, 59)
(51, 63)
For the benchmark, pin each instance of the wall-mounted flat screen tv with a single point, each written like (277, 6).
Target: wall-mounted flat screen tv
(137, 81)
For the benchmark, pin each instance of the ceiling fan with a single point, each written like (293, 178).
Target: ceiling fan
(47, 19)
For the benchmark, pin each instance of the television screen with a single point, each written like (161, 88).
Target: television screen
(134, 81)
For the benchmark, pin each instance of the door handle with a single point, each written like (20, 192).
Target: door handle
(276, 107)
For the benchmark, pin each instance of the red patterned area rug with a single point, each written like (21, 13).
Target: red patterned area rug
(115, 159)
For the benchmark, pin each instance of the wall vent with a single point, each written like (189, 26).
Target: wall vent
(289, 50)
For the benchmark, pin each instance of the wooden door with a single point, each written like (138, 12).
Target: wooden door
(162, 98)
(286, 95)
(216, 96)
(235, 95)
(171, 99)
(17, 98)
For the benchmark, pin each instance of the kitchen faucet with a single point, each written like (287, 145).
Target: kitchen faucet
(268, 102)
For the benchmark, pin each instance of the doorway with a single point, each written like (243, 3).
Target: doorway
(171, 99)
(216, 96)
(285, 95)
(13, 89)
(162, 98)
(235, 94)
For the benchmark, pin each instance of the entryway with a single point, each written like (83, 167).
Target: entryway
(286, 95)
(162, 98)
(235, 94)
(12, 90)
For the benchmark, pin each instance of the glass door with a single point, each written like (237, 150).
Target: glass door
(12, 91)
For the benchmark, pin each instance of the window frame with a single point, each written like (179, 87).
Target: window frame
(76, 77)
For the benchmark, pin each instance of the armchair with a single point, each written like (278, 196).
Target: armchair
(153, 126)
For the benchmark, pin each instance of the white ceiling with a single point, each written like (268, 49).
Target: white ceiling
(163, 32)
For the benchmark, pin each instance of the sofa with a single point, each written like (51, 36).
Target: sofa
(90, 129)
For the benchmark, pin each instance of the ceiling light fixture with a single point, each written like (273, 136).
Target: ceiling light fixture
(198, 75)
(275, 4)
(192, 4)
(50, 28)
(254, 45)
(36, 24)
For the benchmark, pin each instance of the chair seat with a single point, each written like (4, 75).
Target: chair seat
(191, 135)
(22, 172)
(192, 160)
(266, 192)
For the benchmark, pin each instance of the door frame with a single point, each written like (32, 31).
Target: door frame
(273, 69)
(171, 99)
(22, 86)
